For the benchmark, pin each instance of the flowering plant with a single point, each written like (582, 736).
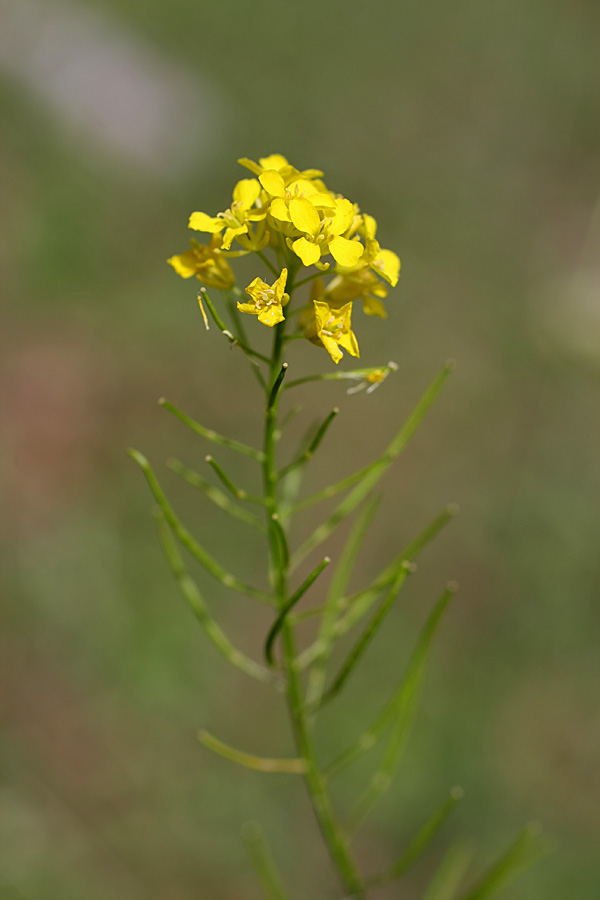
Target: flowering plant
(291, 221)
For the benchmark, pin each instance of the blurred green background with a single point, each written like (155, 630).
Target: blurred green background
(472, 132)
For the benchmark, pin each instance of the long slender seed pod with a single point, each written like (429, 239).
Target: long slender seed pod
(325, 638)
(367, 636)
(333, 489)
(421, 840)
(235, 342)
(238, 323)
(289, 486)
(524, 851)
(209, 434)
(282, 541)
(223, 501)
(376, 471)
(195, 601)
(401, 703)
(449, 874)
(310, 450)
(277, 385)
(358, 604)
(228, 483)
(404, 715)
(262, 860)
(189, 542)
(296, 596)
(248, 760)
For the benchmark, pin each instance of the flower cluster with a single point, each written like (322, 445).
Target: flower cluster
(294, 215)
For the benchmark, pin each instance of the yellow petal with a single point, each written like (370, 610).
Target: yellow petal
(322, 200)
(317, 289)
(279, 210)
(247, 308)
(250, 164)
(370, 226)
(271, 315)
(246, 191)
(348, 342)
(232, 233)
(346, 253)
(273, 183)
(300, 187)
(255, 285)
(304, 216)
(342, 218)
(322, 312)
(309, 253)
(275, 161)
(184, 264)
(199, 221)
(332, 348)
(279, 285)
(387, 263)
(374, 307)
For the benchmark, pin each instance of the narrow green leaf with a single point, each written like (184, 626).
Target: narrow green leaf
(248, 760)
(339, 582)
(189, 542)
(190, 591)
(400, 706)
(209, 434)
(421, 840)
(403, 713)
(285, 610)
(377, 469)
(266, 873)
(525, 850)
(449, 874)
(216, 496)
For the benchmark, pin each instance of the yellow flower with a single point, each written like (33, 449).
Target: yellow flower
(235, 220)
(278, 163)
(324, 235)
(332, 328)
(360, 284)
(267, 301)
(385, 262)
(369, 379)
(206, 263)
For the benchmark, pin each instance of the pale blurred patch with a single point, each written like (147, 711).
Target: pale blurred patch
(572, 317)
(570, 310)
(109, 87)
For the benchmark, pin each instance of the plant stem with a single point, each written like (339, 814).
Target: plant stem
(331, 830)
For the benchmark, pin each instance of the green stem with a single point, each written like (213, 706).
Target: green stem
(268, 263)
(331, 830)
